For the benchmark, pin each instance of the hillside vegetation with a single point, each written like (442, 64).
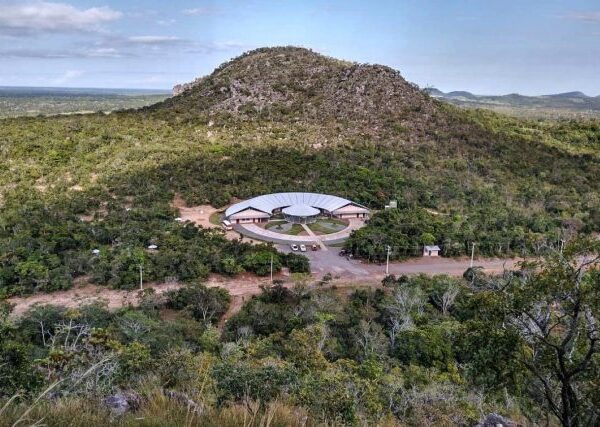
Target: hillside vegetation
(417, 351)
(285, 119)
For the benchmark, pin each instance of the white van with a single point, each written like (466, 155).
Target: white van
(226, 225)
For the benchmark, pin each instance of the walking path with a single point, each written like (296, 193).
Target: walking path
(314, 236)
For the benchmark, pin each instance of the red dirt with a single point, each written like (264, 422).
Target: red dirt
(200, 215)
(241, 287)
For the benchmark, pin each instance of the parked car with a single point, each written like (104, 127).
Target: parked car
(343, 252)
(294, 247)
(302, 248)
(315, 247)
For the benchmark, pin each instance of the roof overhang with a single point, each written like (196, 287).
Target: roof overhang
(269, 202)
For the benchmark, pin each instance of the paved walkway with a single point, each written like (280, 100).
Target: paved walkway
(313, 235)
(256, 232)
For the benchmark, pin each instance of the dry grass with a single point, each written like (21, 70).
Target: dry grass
(159, 410)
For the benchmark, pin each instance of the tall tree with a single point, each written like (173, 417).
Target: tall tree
(553, 306)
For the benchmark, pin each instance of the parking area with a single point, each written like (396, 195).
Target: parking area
(323, 262)
(329, 261)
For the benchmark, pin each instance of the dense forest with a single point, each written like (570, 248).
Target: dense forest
(420, 350)
(71, 185)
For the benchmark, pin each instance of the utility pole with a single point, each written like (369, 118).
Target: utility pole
(472, 254)
(387, 261)
(141, 277)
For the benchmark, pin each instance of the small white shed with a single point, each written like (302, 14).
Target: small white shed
(431, 250)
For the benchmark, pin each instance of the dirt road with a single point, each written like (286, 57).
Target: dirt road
(351, 273)
(84, 293)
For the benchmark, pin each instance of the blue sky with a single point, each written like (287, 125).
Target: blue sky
(484, 46)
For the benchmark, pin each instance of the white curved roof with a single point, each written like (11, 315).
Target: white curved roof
(301, 210)
(268, 202)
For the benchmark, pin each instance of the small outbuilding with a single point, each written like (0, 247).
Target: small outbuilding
(431, 250)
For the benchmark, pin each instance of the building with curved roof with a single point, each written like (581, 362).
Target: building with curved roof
(296, 207)
(300, 214)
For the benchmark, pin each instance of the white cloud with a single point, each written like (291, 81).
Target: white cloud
(216, 47)
(47, 17)
(586, 16)
(199, 11)
(103, 52)
(166, 22)
(155, 40)
(68, 76)
(44, 53)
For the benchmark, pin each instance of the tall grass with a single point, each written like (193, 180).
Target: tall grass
(158, 411)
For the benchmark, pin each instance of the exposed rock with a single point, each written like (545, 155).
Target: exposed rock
(180, 88)
(122, 402)
(495, 420)
(298, 85)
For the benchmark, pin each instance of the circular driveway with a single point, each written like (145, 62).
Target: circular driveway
(256, 232)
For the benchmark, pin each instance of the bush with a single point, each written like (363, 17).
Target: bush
(297, 263)
(203, 303)
(236, 381)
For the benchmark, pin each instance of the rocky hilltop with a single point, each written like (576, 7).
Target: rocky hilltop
(297, 84)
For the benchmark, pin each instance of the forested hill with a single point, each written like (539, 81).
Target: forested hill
(561, 105)
(345, 102)
(283, 119)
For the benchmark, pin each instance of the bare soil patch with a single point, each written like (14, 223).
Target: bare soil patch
(244, 286)
(84, 294)
(201, 215)
(240, 287)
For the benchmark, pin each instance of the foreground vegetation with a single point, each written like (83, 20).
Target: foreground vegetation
(416, 351)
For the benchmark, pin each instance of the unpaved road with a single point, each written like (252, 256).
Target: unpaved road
(84, 293)
(350, 273)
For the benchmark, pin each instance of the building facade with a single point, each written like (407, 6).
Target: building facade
(295, 207)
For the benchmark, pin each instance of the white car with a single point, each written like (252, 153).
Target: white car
(302, 248)
(294, 247)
